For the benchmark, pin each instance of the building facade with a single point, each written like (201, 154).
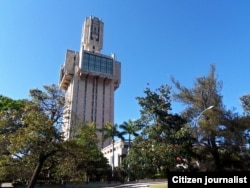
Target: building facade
(89, 79)
(118, 152)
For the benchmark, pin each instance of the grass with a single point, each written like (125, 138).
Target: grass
(163, 185)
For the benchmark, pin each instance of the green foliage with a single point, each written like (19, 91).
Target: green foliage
(111, 131)
(7, 104)
(33, 147)
(164, 136)
(51, 101)
(245, 103)
(220, 132)
(131, 128)
(154, 105)
(82, 160)
(29, 134)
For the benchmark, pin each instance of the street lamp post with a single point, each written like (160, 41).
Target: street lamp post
(198, 117)
(210, 107)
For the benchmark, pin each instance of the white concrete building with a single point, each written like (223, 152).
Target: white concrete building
(89, 79)
(120, 151)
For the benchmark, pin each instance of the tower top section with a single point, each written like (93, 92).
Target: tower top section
(92, 34)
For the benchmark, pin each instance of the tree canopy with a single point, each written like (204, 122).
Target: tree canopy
(32, 145)
(221, 132)
(163, 138)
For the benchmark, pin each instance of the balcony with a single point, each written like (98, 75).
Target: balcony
(64, 84)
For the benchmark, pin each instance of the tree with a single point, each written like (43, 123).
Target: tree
(82, 161)
(11, 112)
(31, 130)
(48, 138)
(10, 115)
(245, 103)
(219, 129)
(51, 101)
(131, 128)
(111, 131)
(164, 136)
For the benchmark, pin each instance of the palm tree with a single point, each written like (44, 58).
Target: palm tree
(111, 131)
(130, 128)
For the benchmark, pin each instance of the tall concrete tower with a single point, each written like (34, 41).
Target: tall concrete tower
(89, 79)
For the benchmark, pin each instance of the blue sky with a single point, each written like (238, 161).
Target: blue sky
(153, 40)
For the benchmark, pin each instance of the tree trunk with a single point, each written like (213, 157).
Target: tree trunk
(36, 172)
(215, 154)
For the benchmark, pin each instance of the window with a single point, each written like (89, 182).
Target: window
(97, 63)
